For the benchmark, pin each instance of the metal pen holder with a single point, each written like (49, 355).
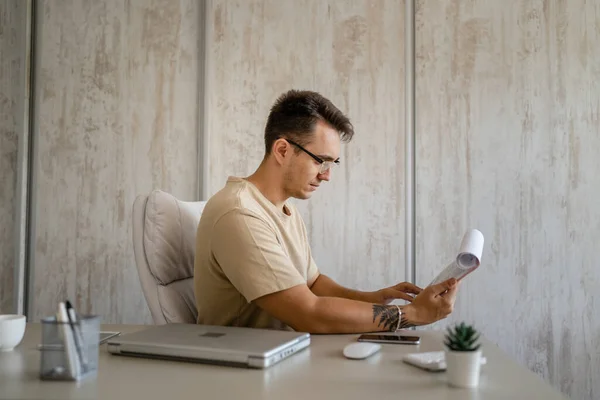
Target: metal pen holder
(69, 351)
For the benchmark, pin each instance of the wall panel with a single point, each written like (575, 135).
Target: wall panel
(507, 135)
(116, 115)
(351, 52)
(13, 15)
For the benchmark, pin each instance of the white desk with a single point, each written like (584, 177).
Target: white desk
(317, 372)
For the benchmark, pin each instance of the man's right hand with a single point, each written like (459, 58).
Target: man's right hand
(434, 303)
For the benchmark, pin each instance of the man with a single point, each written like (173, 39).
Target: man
(253, 264)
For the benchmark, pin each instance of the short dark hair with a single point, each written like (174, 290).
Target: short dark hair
(295, 114)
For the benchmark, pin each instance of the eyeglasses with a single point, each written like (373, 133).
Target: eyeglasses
(324, 165)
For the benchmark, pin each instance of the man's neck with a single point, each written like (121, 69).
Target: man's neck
(269, 184)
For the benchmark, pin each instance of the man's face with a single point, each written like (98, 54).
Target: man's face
(302, 176)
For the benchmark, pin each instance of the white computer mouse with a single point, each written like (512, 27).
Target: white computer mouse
(361, 350)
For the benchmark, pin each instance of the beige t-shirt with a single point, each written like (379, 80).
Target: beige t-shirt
(247, 248)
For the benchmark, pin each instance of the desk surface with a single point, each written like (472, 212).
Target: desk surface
(317, 372)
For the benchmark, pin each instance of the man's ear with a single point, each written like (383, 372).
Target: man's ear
(281, 149)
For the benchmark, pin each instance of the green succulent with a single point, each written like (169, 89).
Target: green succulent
(462, 337)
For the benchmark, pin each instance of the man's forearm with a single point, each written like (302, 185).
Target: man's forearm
(327, 287)
(339, 315)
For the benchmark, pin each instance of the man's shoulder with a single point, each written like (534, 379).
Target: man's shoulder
(233, 200)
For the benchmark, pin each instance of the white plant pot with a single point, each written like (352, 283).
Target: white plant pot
(463, 368)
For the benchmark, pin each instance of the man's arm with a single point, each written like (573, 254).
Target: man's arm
(324, 286)
(302, 310)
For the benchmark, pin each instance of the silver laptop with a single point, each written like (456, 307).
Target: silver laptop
(234, 346)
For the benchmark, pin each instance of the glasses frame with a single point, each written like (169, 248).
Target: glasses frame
(318, 159)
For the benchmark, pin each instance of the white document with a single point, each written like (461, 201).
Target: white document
(467, 260)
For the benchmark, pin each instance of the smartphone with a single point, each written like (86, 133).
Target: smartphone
(397, 339)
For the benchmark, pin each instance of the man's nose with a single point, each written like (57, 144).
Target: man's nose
(325, 176)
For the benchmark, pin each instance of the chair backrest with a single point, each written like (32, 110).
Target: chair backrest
(164, 239)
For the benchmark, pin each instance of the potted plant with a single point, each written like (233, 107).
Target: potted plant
(463, 356)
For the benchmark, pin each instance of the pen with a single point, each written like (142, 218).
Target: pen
(72, 315)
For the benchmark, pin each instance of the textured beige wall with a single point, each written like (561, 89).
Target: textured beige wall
(116, 113)
(508, 104)
(12, 16)
(351, 52)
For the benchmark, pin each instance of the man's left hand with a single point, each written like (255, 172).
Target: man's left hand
(405, 291)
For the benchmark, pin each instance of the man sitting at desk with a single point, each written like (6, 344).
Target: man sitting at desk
(253, 263)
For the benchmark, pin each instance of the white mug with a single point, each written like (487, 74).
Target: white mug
(12, 330)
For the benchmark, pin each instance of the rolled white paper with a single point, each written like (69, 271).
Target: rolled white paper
(467, 260)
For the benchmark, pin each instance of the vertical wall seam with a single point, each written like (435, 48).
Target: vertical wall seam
(36, 21)
(409, 116)
(201, 127)
(205, 139)
(20, 296)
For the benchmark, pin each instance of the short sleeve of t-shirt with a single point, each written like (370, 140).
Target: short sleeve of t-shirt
(312, 269)
(247, 250)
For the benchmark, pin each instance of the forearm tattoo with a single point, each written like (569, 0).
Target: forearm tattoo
(388, 318)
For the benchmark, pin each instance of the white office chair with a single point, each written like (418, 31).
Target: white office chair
(164, 236)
